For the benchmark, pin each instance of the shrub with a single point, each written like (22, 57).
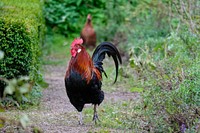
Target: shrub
(21, 34)
(168, 69)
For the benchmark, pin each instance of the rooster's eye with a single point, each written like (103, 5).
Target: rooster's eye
(79, 50)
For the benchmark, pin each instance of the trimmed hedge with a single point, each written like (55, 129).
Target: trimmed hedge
(21, 33)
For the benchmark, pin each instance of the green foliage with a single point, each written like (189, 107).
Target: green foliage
(13, 51)
(169, 70)
(17, 88)
(115, 20)
(21, 36)
(68, 16)
(165, 61)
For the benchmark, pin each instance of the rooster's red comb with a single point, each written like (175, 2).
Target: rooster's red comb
(77, 41)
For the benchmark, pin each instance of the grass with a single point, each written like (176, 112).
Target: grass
(115, 115)
(123, 83)
(56, 49)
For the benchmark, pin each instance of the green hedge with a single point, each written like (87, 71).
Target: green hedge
(21, 33)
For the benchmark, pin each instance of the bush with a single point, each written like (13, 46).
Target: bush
(166, 64)
(21, 34)
(168, 69)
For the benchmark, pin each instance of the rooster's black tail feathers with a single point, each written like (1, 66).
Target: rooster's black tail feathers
(99, 55)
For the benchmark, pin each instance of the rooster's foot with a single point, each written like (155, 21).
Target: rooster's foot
(95, 118)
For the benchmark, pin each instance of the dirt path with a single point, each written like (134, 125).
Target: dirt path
(55, 113)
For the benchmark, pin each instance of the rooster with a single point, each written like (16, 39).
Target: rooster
(88, 34)
(84, 74)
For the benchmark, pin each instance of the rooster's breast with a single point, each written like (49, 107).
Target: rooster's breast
(76, 86)
(75, 82)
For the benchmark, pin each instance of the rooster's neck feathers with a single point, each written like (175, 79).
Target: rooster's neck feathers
(83, 65)
(88, 23)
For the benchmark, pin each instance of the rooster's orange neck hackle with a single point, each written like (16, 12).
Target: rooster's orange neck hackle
(81, 61)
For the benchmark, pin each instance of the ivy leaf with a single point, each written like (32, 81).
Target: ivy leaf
(1, 54)
(9, 89)
(24, 78)
(13, 82)
(24, 88)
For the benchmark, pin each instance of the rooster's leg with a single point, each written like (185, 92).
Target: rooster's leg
(95, 117)
(80, 118)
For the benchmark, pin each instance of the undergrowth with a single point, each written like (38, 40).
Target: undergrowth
(170, 78)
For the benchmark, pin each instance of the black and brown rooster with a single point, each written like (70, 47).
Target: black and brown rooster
(84, 74)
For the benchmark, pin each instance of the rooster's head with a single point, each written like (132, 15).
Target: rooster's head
(76, 46)
(89, 17)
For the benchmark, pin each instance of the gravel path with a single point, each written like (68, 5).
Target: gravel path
(55, 113)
